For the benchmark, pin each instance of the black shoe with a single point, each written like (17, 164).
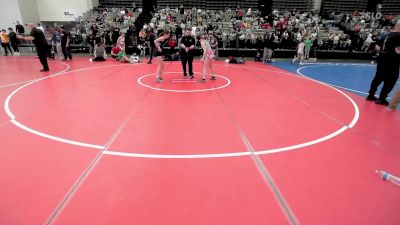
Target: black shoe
(184, 75)
(149, 62)
(191, 76)
(213, 78)
(203, 80)
(371, 98)
(382, 102)
(44, 70)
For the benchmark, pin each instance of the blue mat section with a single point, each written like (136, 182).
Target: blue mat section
(353, 77)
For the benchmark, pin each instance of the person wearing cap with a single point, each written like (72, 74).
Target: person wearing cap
(65, 43)
(39, 40)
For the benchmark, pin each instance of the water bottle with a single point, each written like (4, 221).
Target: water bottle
(388, 177)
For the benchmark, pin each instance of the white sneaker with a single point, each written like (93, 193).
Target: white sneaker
(90, 60)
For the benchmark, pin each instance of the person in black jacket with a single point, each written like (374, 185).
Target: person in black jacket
(38, 38)
(187, 52)
(151, 37)
(13, 40)
(178, 32)
(387, 69)
(65, 43)
(19, 28)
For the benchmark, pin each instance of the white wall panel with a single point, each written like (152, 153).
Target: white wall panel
(9, 13)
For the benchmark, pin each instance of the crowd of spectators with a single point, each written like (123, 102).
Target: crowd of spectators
(230, 28)
(246, 28)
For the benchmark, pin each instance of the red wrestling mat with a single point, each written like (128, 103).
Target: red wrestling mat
(103, 143)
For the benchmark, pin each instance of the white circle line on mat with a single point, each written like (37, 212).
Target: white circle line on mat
(176, 156)
(182, 91)
(356, 109)
(27, 81)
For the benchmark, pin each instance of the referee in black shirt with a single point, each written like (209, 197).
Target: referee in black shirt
(187, 52)
(387, 69)
(37, 36)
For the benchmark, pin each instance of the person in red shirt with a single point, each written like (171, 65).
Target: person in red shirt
(170, 18)
(115, 51)
(172, 43)
(265, 26)
(240, 14)
(357, 28)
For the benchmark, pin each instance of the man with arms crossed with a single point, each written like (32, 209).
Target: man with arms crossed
(187, 52)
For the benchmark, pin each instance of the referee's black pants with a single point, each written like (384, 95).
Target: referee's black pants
(387, 71)
(42, 53)
(187, 59)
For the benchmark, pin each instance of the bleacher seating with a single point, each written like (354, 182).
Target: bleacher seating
(344, 6)
(391, 7)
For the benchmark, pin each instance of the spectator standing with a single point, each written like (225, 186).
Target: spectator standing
(19, 28)
(214, 45)
(152, 47)
(300, 53)
(57, 42)
(121, 41)
(40, 27)
(308, 44)
(367, 43)
(5, 42)
(13, 41)
(268, 46)
(65, 43)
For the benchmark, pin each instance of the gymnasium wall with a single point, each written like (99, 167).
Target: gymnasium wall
(9, 14)
(34, 11)
(64, 10)
(29, 11)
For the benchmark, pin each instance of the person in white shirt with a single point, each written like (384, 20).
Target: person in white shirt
(300, 53)
(121, 41)
(40, 27)
(367, 43)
